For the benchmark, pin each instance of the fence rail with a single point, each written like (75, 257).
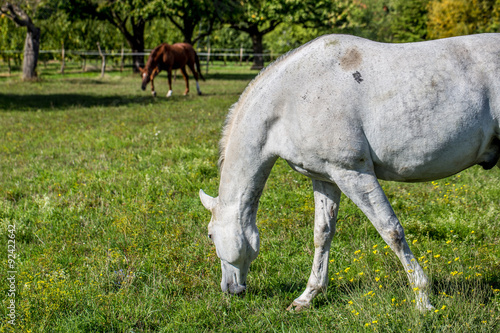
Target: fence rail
(214, 52)
(206, 56)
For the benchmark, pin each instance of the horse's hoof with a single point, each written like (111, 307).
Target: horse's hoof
(297, 307)
(424, 306)
(423, 303)
(199, 93)
(169, 93)
(153, 93)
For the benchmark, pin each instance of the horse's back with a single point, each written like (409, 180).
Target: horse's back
(416, 111)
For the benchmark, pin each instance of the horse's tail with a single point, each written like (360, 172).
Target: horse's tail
(198, 67)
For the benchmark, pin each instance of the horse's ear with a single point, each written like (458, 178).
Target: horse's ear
(207, 201)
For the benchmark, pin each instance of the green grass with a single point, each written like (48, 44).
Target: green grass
(101, 182)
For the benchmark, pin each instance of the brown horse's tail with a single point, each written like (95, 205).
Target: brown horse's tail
(198, 67)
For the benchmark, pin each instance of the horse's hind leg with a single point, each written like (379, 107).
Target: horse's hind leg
(365, 191)
(326, 200)
(196, 76)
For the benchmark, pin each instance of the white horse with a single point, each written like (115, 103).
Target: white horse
(347, 111)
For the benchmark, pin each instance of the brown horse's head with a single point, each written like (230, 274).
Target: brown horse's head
(146, 76)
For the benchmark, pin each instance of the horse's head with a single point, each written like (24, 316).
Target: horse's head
(147, 75)
(236, 243)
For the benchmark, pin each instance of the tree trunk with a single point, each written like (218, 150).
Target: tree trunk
(103, 60)
(258, 59)
(138, 60)
(121, 61)
(31, 49)
(136, 42)
(188, 32)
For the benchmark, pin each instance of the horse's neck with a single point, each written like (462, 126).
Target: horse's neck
(243, 178)
(153, 64)
(246, 165)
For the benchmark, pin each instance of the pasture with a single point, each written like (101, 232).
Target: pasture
(101, 182)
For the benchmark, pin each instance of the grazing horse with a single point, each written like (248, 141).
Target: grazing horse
(168, 57)
(346, 111)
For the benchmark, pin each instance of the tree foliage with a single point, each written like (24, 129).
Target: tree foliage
(11, 38)
(128, 16)
(257, 18)
(449, 18)
(409, 20)
(187, 15)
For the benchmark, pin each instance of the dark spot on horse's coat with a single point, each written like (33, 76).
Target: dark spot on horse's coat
(357, 77)
(397, 240)
(351, 59)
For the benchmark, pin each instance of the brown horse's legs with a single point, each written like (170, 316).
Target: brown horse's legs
(186, 78)
(195, 74)
(169, 71)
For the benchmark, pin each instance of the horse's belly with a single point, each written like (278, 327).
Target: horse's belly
(428, 159)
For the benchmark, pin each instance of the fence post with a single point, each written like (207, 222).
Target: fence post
(241, 54)
(121, 61)
(103, 67)
(208, 56)
(63, 63)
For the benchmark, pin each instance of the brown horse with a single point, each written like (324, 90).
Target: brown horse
(168, 57)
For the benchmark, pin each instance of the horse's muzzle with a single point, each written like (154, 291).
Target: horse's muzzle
(236, 289)
(143, 87)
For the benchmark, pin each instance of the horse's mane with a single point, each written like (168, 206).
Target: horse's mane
(231, 116)
(150, 65)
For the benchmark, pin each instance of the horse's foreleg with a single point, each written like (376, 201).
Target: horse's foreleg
(326, 200)
(169, 93)
(186, 79)
(365, 191)
(153, 92)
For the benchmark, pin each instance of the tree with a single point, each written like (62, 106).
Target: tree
(15, 12)
(409, 20)
(128, 16)
(11, 38)
(365, 18)
(186, 15)
(461, 17)
(257, 18)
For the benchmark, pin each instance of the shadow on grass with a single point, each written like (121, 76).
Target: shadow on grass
(471, 289)
(229, 76)
(55, 102)
(271, 291)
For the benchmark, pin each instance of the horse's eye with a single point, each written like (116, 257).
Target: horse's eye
(210, 236)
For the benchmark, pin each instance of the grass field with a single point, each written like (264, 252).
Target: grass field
(101, 182)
